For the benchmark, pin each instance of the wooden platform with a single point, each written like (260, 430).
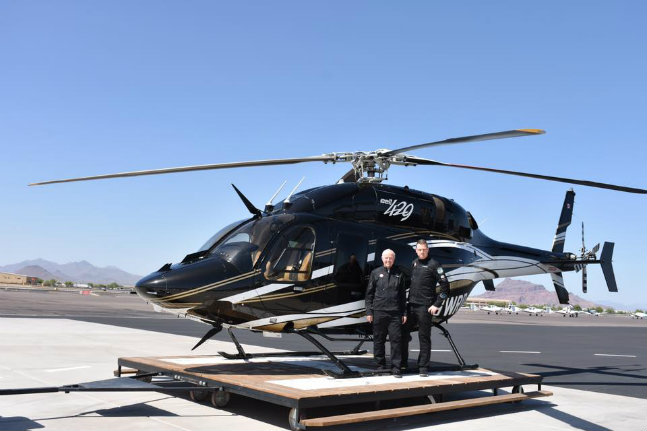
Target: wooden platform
(299, 383)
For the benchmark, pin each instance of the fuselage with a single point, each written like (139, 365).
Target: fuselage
(306, 264)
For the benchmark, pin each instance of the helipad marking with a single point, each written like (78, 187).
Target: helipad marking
(317, 383)
(619, 356)
(518, 351)
(56, 370)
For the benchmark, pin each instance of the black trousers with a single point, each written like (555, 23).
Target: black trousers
(387, 322)
(418, 314)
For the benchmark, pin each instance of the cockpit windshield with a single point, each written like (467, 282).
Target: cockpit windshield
(242, 245)
(218, 236)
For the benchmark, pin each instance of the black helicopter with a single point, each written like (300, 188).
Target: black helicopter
(301, 266)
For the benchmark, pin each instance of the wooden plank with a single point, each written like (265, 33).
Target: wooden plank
(422, 409)
(264, 378)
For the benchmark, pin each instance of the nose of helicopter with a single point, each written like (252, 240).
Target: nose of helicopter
(152, 285)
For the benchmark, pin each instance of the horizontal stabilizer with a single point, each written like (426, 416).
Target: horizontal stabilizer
(607, 267)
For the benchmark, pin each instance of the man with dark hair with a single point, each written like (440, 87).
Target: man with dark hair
(426, 274)
(386, 310)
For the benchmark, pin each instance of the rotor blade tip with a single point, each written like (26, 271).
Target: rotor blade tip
(533, 131)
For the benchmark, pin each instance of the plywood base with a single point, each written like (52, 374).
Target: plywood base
(421, 409)
(299, 383)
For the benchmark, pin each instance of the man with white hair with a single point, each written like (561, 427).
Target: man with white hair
(386, 310)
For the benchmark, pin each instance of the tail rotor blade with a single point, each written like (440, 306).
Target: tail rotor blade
(595, 249)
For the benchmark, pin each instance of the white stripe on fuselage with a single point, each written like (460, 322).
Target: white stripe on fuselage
(322, 272)
(264, 290)
(503, 266)
(335, 312)
(255, 293)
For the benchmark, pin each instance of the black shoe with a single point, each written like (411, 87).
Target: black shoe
(397, 374)
(423, 372)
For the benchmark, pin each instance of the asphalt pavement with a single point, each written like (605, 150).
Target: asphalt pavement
(594, 367)
(605, 354)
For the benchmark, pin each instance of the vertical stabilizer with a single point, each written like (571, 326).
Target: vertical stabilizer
(607, 268)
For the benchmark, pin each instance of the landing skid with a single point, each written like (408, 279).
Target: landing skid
(345, 371)
(462, 365)
(244, 355)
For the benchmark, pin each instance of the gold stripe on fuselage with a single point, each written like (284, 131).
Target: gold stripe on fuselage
(173, 305)
(418, 233)
(289, 294)
(211, 286)
(298, 323)
(325, 252)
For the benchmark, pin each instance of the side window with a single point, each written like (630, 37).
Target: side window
(350, 264)
(290, 258)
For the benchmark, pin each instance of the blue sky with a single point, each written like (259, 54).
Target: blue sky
(99, 87)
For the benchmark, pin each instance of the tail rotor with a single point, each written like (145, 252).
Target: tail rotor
(586, 255)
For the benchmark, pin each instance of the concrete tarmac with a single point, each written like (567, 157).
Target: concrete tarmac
(53, 352)
(71, 347)
(605, 354)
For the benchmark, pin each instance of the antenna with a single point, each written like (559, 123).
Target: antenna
(268, 206)
(250, 206)
(287, 200)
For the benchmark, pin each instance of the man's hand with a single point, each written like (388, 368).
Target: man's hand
(433, 310)
(404, 319)
(369, 318)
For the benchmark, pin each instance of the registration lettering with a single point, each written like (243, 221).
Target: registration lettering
(398, 208)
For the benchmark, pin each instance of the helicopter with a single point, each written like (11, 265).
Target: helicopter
(301, 266)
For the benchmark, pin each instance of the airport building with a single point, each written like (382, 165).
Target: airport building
(485, 301)
(10, 278)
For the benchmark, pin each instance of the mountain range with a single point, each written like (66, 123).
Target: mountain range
(78, 272)
(524, 292)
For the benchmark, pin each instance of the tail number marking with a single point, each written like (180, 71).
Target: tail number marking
(452, 304)
(399, 208)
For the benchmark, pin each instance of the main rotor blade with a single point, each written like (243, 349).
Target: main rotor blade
(421, 161)
(473, 138)
(323, 158)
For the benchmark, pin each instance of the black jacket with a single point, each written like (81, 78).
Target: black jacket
(386, 291)
(425, 276)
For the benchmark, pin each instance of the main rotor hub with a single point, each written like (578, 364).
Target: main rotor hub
(372, 166)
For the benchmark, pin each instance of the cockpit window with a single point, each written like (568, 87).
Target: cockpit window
(243, 245)
(218, 236)
(237, 237)
(472, 221)
(290, 258)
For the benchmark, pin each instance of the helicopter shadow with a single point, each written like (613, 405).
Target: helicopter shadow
(19, 423)
(607, 371)
(285, 366)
